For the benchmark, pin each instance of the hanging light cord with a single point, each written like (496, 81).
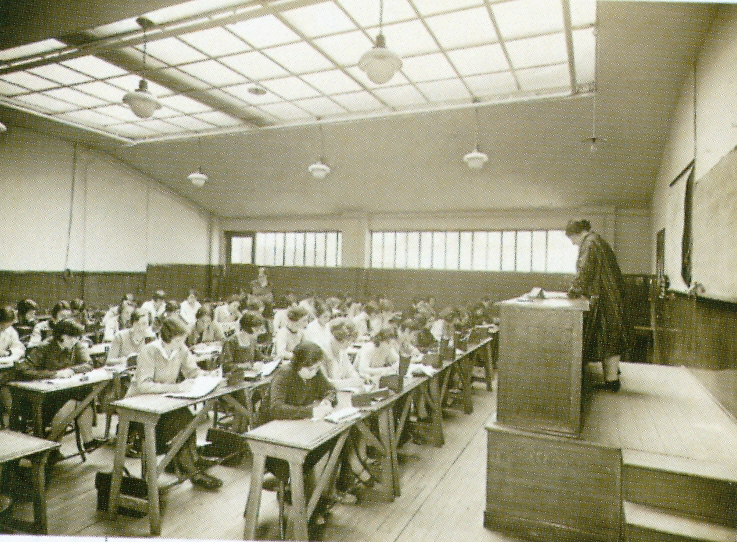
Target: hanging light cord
(476, 112)
(381, 16)
(322, 143)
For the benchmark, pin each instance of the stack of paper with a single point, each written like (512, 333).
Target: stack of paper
(343, 415)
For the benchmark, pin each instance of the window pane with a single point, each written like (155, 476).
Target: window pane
(299, 248)
(320, 249)
(413, 250)
(236, 249)
(438, 250)
(524, 251)
(539, 249)
(377, 248)
(426, 250)
(289, 248)
(400, 250)
(309, 249)
(479, 250)
(466, 250)
(562, 253)
(451, 249)
(279, 249)
(389, 238)
(331, 249)
(269, 240)
(260, 249)
(508, 250)
(340, 249)
(247, 254)
(494, 251)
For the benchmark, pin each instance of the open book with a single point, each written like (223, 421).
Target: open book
(343, 415)
(203, 385)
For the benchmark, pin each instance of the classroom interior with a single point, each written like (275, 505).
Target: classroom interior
(93, 209)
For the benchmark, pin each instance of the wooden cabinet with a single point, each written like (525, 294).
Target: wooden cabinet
(540, 364)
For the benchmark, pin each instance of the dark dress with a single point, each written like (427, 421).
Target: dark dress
(599, 278)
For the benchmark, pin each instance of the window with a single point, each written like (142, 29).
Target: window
(321, 249)
(540, 251)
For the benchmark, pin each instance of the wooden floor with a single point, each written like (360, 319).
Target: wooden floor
(443, 496)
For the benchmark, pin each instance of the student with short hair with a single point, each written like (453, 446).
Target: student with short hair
(189, 307)
(129, 342)
(11, 351)
(161, 364)
(228, 314)
(43, 330)
(288, 337)
(26, 320)
(317, 330)
(155, 306)
(337, 364)
(379, 357)
(119, 323)
(204, 330)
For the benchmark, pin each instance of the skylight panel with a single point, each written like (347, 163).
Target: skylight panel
(529, 52)
(366, 13)
(400, 96)
(190, 123)
(184, 104)
(131, 130)
(60, 74)
(219, 119)
(243, 92)
(407, 39)
(320, 106)
(120, 112)
(286, 111)
(299, 58)
(28, 80)
(584, 54)
(319, 19)
(525, 18)
(114, 29)
(161, 126)
(213, 73)
(8, 89)
(86, 116)
(345, 49)
(359, 101)
(216, 42)
(172, 51)
(291, 88)
(265, 31)
(432, 7)
(74, 96)
(332, 82)
(482, 59)
(547, 77)
(45, 104)
(583, 13)
(463, 28)
(444, 91)
(101, 90)
(255, 66)
(427, 68)
(491, 84)
(188, 9)
(31, 49)
(94, 67)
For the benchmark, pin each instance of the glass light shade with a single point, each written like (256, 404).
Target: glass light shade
(141, 101)
(379, 63)
(476, 159)
(197, 178)
(319, 170)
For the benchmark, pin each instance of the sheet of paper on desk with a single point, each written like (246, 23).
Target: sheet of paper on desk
(270, 367)
(201, 387)
(419, 369)
(95, 375)
(343, 415)
(205, 349)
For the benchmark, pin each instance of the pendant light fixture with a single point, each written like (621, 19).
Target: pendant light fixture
(141, 101)
(320, 170)
(594, 141)
(476, 159)
(198, 178)
(379, 63)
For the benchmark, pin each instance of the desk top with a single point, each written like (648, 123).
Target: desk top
(554, 303)
(301, 434)
(49, 385)
(15, 445)
(99, 349)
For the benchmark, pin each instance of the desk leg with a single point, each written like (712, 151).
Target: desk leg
(488, 364)
(466, 368)
(296, 476)
(434, 395)
(39, 493)
(38, 416)
(389, 462)
(254, 496)
(152, 477)
(118, 465)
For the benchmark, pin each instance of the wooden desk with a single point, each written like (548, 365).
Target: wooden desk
(540, 364)
(147, 409)
(37, 392)
(14, 447)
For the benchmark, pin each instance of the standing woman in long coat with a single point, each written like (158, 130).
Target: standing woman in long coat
(599, 278)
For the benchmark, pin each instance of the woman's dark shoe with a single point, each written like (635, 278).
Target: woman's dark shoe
(205, 481)
(609, 385)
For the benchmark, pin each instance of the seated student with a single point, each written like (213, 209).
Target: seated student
(189, 307)
(204, 329)
(379, 357)
(120, 322)
(228, 314)
(155, 306)
(80, 312)
(288, 337)
(171, 308)
(114, 311)
(280, 314)
(425, 339)
(357, 314)
(308, 303)
(160, 366)
(43, 330)
(442, 327)
(129, 342)
(62, 356)
(334, 304)
(374, 321)
(337, 365)
(26, 318)
(317, 330)
(11, 351)
(407, 338)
